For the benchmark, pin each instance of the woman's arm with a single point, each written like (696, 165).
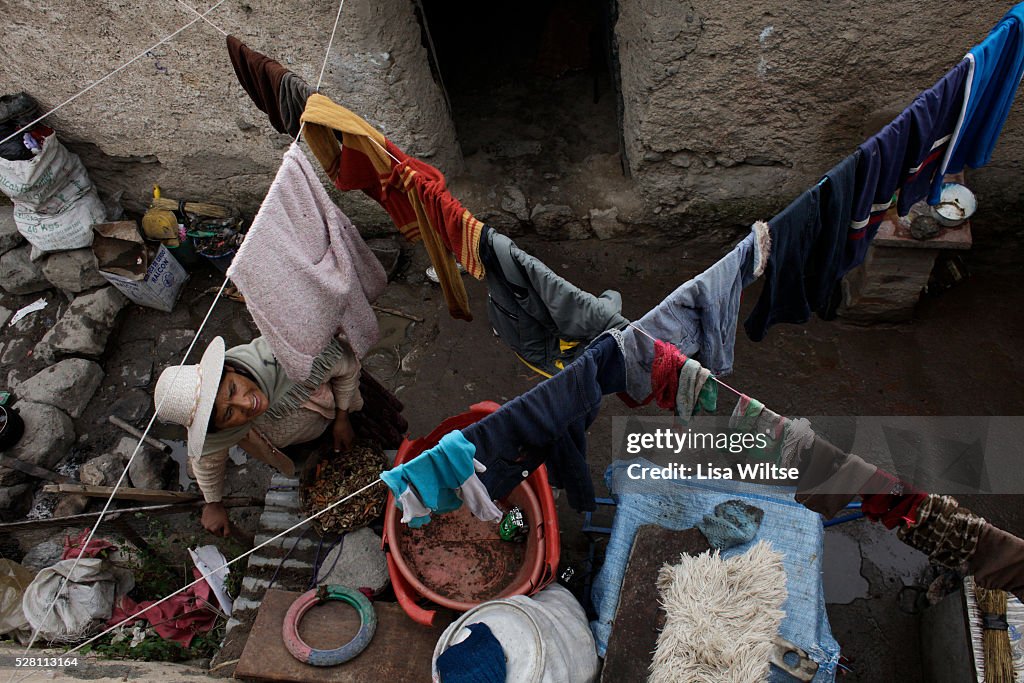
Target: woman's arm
(344, 383)
(209, 470)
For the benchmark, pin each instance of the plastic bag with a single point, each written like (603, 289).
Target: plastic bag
(85, 604)
(14, 579)
(55, 202)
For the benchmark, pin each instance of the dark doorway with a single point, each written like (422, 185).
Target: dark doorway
(531, 85)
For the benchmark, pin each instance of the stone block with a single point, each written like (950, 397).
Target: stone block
(83, 330)
(15, 497)
(20, 275)
(70, 505)
(68, 385)
(73, 271)
(605, 223)
(103, 470)
(49, 433)
(16, 350)
(886, 288)
(132, 407)
(9, 235)
(152, 469)
(557, 221)
(360, 562)
(136, 367)
(45, 554)
(172, 343)
(514, 201)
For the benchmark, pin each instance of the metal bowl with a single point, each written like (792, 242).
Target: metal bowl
(955, 206)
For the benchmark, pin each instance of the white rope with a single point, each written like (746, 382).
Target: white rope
(201, 16)
(227, 564)
(323, 67)
(138, 446)
(330, 42)
(115, 71)
(106, 507)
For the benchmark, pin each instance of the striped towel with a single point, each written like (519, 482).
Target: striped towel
(413, 193)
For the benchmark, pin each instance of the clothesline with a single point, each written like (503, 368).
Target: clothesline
(196, 12)
(229, 563)
(120, 480)
(720, 382)
(216, 299)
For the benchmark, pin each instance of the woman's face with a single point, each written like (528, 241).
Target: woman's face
(239, 400)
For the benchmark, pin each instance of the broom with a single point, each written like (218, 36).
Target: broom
(996, 639)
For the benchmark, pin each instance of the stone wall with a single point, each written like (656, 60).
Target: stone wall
(178, 116)
(732, 109)
(729, 110)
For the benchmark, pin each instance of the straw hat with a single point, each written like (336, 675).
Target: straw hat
(185, 394)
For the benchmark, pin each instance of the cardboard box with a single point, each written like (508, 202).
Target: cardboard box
(154, 281)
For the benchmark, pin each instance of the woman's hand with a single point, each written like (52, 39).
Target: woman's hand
(215, 519)
(344, 435)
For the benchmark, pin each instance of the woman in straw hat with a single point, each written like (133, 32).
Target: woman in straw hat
(242, 397)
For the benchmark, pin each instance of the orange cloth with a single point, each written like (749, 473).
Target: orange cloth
(413, 193)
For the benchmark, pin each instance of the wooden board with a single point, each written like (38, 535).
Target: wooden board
(639, 617)
(400, 651)
(124, 493)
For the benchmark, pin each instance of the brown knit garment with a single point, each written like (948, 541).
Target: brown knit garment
(830, 478)
(999, 561)
(944, 531)
(260, 76)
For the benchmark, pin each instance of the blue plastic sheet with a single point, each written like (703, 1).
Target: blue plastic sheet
(789, 527)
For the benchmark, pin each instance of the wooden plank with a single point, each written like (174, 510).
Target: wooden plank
(124, 493)
(639, 617)
(118, 422)
(32, 470)
(401, 649)
(89, 517)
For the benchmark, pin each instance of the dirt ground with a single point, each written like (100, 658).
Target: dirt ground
(958, 357)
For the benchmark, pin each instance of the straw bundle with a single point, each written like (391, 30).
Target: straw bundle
(996, 639)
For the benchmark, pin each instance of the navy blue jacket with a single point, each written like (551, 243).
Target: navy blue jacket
(548, 425)
(808, 241)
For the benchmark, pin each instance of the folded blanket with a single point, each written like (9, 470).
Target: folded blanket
(306, 273)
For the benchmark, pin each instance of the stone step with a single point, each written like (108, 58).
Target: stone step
(272, 519)
(290, 563)
(251, 583)
(279, 479)
(288, 500)
(286, 542)
(244, 604)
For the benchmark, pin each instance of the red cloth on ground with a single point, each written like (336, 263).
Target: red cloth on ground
(178, 619)
(73, 546)
(889, 500)
(668, 361)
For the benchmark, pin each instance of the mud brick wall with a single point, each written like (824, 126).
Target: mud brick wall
(178, 116)
(729, 109)
(732, 109)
